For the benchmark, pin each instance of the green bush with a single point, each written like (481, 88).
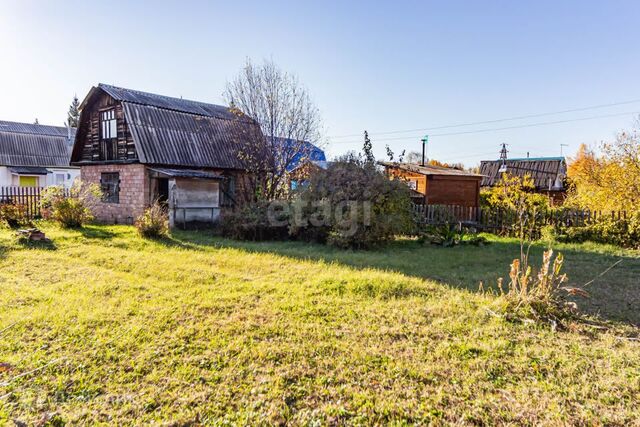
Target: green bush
(352, 204)
(154, 222)
(623, 232)
(12, 215)
(448, 235)
(70, 208)
(548, 234)
(521, 211)
(252, 222)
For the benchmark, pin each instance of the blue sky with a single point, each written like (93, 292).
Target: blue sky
(380, 66)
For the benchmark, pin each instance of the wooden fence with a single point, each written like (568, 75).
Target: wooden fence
(493, 219)
(27, 199)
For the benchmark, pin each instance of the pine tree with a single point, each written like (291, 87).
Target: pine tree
(74, 113)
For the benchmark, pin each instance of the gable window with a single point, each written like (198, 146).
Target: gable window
(110, 184)
(108, 135)
(108, 124)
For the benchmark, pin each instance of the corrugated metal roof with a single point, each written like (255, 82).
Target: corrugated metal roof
(187, 173)
(297, 151)
(169, 137)
(542, 170)
(168, 103)
(428, 169)
(31, 128)
(24, 144)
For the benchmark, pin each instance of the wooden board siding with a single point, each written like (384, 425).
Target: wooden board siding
(89, 132)
(448, 190)
(419, 179)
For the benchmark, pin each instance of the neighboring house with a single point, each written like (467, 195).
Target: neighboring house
(299, 176)
(35, 155)
(548, 174)
(305, 158)
(299, 152)
(436, 185)
(141, 147)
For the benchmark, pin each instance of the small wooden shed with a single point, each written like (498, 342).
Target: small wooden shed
(436, 185)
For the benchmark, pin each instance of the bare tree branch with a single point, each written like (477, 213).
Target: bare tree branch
(287, 117)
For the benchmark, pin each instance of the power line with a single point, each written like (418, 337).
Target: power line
(493, 129)
(529, 116)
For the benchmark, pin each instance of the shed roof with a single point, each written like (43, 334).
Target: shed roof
(28, 170)
(179, 132)
(430, 169)
(25, 144)
(187, 173)
(542, 170)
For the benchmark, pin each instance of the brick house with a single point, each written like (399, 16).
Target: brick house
(436, 185)
(141, 147)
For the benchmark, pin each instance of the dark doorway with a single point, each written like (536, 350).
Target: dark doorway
(163, 190)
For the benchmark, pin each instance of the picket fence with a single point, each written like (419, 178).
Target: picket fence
(25, 198)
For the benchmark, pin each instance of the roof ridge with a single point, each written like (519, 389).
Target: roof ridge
(160, 97)
(412, 167)
(4, 123)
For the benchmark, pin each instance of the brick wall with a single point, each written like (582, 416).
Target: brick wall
(134, 192)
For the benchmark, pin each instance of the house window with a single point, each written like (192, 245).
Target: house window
(108, 135)
(110, 184)
(108, 124)
(59, 179)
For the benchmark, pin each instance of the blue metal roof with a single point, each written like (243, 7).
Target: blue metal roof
(306, 151)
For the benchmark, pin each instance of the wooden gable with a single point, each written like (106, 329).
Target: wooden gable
(87, 148)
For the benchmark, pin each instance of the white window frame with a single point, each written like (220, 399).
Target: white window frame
(60, 174)
(108, 124)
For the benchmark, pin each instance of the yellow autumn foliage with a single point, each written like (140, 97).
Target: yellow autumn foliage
(608, 180)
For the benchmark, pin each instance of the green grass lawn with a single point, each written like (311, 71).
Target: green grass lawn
(103, 327)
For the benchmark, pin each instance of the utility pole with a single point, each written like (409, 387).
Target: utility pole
(562, 145)
(425, 140)
(503, 158)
